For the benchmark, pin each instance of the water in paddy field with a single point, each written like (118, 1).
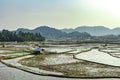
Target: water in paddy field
(99, 57)
(74, 48)
(58, 50)
(2, 51)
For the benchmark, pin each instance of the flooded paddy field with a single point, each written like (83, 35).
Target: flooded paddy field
(71, 48)
(77, 60)
(78, 63)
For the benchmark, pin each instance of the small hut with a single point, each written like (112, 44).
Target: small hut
(37, 51)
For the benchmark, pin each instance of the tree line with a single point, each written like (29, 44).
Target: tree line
(6, 36)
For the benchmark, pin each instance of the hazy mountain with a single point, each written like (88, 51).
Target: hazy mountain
(23, 30)
(68, 30)
(116, 31)
(77, 36)
(79, 33)
(52, 33)
(95, 31)
(47, 32)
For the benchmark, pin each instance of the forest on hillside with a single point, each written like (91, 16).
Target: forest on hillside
(6, 36)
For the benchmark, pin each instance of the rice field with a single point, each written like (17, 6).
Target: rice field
(72, 60)
(94, 63)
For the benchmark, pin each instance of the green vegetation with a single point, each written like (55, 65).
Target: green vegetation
(6, 36)
(14, 52)
(15, 56)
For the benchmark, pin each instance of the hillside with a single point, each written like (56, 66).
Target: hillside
(98, 33)
(52, 33)
(95, 30)
(47, 32)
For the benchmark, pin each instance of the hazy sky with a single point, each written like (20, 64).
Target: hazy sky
(58, 13)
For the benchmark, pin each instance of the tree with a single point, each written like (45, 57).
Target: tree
(6, 35)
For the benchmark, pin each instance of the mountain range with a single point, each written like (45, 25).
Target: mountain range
(95, 30)
(47, 32)
(83, 32)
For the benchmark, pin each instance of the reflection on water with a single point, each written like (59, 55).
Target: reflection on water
(58, 50)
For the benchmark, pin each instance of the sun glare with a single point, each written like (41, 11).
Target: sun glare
(111, 6)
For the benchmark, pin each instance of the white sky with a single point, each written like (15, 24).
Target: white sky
(58, 13)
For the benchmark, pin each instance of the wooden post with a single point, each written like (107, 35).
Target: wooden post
(3, 45)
